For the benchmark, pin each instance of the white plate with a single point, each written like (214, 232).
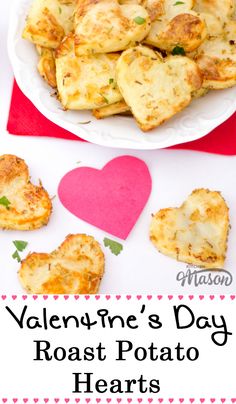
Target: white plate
(196, 121)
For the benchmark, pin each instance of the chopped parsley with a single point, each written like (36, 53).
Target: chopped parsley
(105, 99)
(16, 256)
(139, 20)
(114, 246)
(5, 202)
(20, 245)
(178, 50)
(111, 81)
(178, 3)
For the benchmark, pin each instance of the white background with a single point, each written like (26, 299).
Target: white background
(140, 268)
(212, 375)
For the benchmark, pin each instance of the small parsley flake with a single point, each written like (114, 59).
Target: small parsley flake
(105, 99)
(20, 245)
(178, 50)
(16, 256)
(178, 3)
(111, 81)
(5, 202)
(114, 246)
(139, 20)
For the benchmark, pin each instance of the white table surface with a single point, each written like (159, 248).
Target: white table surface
(140, 268)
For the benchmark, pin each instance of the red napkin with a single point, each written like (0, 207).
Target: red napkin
(25, 119)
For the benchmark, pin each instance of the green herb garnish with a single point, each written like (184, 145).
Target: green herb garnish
(5, 202)
(178, 3)
(105, 99)
(20, 245)
(16, 256)
(111, 81)
(139, 20)
(178, 50)
(114, 246)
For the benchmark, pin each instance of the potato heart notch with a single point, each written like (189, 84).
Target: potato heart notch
(76, 267)
(28, 206)
(105, 26)
(195, 233)
(155, 88)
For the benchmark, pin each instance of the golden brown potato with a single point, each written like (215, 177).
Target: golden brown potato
(175, 24)
(155, 88)
(105, 26)
(195, 233)
(76, 267)
(85, 82)
(216, 59)
(27, 206)
(155, 8)
(48, 22)
(113, 109)
(47, 65)
(222, 8)
(184, 30)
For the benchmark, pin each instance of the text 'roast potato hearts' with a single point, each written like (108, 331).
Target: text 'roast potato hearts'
(111, 199)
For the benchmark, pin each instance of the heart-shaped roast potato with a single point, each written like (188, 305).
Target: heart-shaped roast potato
(224, 9)
(216, 58)
(104, 26)
(88, 81)
(178, 25)
(48, 21)
(76, 267)
(155, 88)
(23, 206)
(195, 233)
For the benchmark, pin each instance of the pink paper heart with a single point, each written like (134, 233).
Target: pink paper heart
(111, 199)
